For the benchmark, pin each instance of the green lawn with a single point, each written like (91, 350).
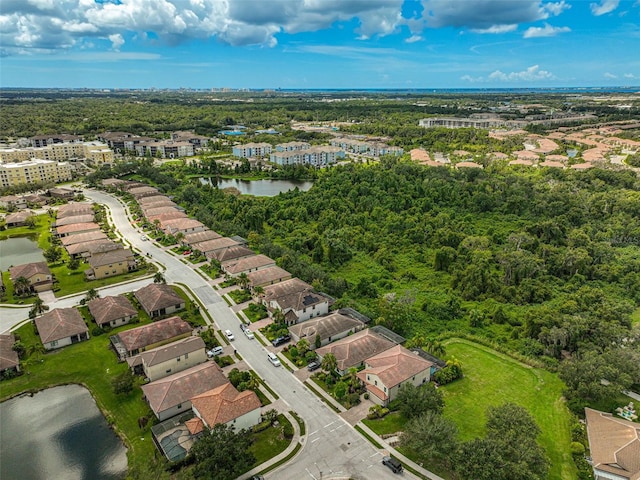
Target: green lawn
(239, 296)
(390, 423)
(270, 442)
(635, 316)
(255, 312)
(492, 379)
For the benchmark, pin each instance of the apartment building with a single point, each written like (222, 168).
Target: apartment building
(318, 156)
(252, 150)
(165, 149)
(34, 171)
(96, 153)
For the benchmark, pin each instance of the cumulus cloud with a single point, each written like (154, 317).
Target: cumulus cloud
(531, 74)
(116, 41)
(413, 39)
(605, 6)
(630, 75)
(610, 75)
(497, 29)
(546, 31)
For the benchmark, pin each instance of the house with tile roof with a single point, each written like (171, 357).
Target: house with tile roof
(73, 209)
(385, 372)
(209, 247)
(37, 273)
(83, 237)
(172, 395)
(354, 350)
(110, 263)
(198, 237)
(268, 276)
(112, 311)
(9, 360)
(615, 446)
(232, 253)
(328, 329)
(76, 229)
(158, 299)
(171, 358)
(17, 219)
(249, 264)
(84, 218)
(226, 405)
(296, 300)
(61, 327)
(181, 225)
(131, 342)
(86, 249)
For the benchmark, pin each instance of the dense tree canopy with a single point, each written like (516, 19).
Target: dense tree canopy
(221, 453)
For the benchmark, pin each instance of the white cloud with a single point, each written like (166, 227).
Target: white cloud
(605, 6)
(610, 75)
(630, 75)
(116, 41)
(531, 74)
(413, 39)
(497, 29)
(546, 31)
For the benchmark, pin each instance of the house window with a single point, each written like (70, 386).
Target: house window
(375, 382)
(178, 359)
(168, 371)
(54, 343)
(186, 355)
(179, 405)
(385, 389)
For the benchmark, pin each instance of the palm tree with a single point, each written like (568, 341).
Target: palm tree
(258, 291)
(21, 285)
(243, 280)
(329, 363)
(159, 278)
(38, 307)
(92, 294)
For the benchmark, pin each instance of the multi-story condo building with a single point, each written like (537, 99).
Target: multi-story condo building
(34, 171)
(121, 142)
(95, 152)
(44, 140)
(164, 149)
(375, 149)
(292, 146)
(249, 150)
(318, 156)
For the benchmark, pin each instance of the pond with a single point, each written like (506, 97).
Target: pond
(18, 251)
(58, 433)
(259, 188)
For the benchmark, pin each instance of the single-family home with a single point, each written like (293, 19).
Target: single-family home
(110, 264)
(13, 201)
(83, 237)
(131, 342)
(325, 329)
(157, 200)
(9, 360)
(112, 311)
(37, 273)
(296, 300)
(152, 212)
(62, 193)
(164, 217)
(614, 444)
(85, 218)
(249, 264)
(88, 249)
(209, 247)
(234, 252)
(61, 327)
(142, 192)
(171, 358)
(353, 350)
(73, 210)
(76, 229)
(181, 225)
(17, 219)
(198, 237)
(158, 299)
(385, 372)
(268, 276)
(226, 405)
(172, 395)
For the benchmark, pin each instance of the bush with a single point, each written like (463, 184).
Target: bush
(287, 430)
(97, 331)
(123, 383)
(262, 426)
(577, 448)
(366, 396)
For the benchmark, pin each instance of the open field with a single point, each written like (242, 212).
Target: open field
(492, 379)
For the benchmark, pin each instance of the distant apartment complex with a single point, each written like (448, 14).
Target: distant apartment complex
(96, 153)
(373, 148)
(318, 156)
(490, 120)
(182, 144)
(164, 149)
(249, 150)
(33, 171)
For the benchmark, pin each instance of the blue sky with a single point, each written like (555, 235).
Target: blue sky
(319, 43)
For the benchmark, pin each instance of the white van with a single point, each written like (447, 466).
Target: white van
(273, 359)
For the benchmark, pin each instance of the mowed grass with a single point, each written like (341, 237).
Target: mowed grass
(492, 379)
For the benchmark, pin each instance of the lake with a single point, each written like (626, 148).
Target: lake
(259, 188)
(58, 433)
(18, 251)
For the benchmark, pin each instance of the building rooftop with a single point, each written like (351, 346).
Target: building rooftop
(245, 264)
(156, 332)
(156, 296)
(394, 366)
(224, 403)
(355, 349)
(60, 323)
(197, 237)
(28, 270)
(83, 237)
(8, 357)
(110, 257)
(104, 310)
(167, 352)
(325, 327)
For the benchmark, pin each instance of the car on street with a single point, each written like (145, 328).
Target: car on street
(393, 464)
(249, 334)
(229, 335)
(143, 238)
(281, 340)
(311, 366)
(273, 358)
(215, 351)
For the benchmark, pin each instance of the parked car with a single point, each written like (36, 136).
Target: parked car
(393, 464)
(215, 351)
(249, 334)
(311, 366)
(243, 327)
(229, 335)
(257, 477)
(143, 238)
(281, 340)
(273, 358)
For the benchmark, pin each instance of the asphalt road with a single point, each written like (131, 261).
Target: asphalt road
(332, 448)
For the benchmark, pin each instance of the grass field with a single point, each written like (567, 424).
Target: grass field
(492, 379)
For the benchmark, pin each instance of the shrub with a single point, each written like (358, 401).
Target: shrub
(577, 448)
(97, 331)
(287, 430)
(260, 427)
(366, 396)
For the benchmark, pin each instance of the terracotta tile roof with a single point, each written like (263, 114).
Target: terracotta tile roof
(197, 237)
(158, 200)
(156, 332)
(582, 166)
(293, 294)
(17, 217)
(614, 444)
(526, 163)
(153, 212)
(28, 270)
(552, 164)
(195, 425)
(183, 386)
(355, 349)
(163, 217)
(468, 165)
(215, 244)
(71, 219)
(394, 366)
(178, 224)
(110, 257)
(224, 403)
(170, 351)
(77, 227)
(60, 323)
(83, 237)
(156, 296)
(325, 327)
(232, 253)
(98, 246)
(104, 310)
(267, 276)
(142, 190)
(8, 357)
(237, 266)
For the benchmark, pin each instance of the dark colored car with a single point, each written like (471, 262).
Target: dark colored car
(393, 464)
(311, 366)
(281, 340)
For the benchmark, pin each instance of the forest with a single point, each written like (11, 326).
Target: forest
(544, 264)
